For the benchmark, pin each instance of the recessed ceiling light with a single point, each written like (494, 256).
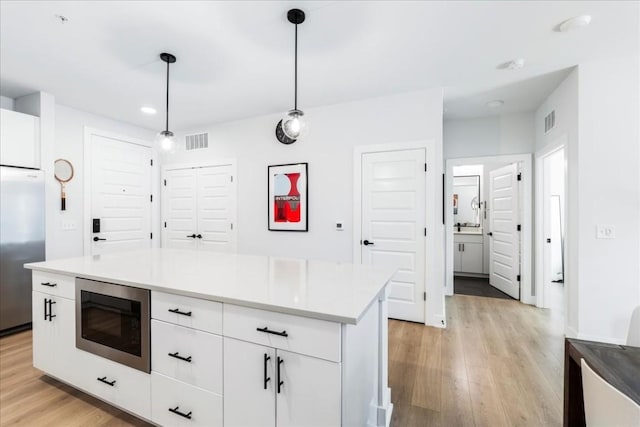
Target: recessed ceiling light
(495, 103)
(148, 110)
(514, 64)
(574, 23)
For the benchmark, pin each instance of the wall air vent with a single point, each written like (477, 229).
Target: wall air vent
(196, 141)
(549, 121)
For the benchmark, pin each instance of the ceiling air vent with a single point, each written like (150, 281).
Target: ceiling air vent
(549, 121)
(196, 141)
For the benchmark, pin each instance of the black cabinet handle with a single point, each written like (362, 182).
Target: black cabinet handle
(51, 285)
(95, 239)
(268, 331)
(45, 308)
(367, 243)
(192, 236)
(280, 382)
(199, 236)
(266, 379)
(177, 356)
(51, 316)
(104, 380)
(177, 311)
(182, 414)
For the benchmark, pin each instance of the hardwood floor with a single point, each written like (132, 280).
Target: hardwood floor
(499, 363)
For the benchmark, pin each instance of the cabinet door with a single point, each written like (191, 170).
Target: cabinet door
(457, 257)
(19, 134)
(249, 384)
(54, 337)
(472, 258)
(309, 394)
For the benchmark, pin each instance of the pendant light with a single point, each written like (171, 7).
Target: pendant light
(166, 138)
(293, 126)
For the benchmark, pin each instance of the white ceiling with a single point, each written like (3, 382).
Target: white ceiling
(235, 59)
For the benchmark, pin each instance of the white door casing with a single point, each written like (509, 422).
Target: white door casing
(505, 240)
(120, 194)
(394, 220)
(199, 207)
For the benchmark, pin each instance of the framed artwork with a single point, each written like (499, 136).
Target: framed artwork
(288, 201)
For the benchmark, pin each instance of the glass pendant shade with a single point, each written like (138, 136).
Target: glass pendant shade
(166, 140)
(293, 124)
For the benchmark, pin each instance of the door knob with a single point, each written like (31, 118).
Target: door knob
(193, 236)
(367, 243)
(95, 239)
(199, 236)
(489, 234)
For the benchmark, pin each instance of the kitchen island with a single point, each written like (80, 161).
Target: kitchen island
(233, 340)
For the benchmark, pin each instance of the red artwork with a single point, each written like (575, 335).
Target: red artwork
(287, 206)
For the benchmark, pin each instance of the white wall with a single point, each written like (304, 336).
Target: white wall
(334, 131)
(6, 103)
(489, 136)
(609, 193)
(69, 141)
(598, 110)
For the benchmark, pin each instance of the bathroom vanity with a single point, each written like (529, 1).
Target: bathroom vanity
(226, 340)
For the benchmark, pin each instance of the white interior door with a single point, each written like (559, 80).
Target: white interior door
(120, 195)
(216, 209)
(504, 250)
(179, 209)
(393, 225)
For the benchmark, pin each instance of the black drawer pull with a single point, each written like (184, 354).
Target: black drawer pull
(266, 378)
(177, 356)
(182, 414)
(177, 311)
(51, 315)
(280, 382)
(51, 285)
(104, 380)
(268, 331)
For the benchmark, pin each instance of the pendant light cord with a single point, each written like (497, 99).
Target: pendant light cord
(167, 105)
(295, 85)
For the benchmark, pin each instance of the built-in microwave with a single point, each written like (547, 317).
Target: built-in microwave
(112, 321)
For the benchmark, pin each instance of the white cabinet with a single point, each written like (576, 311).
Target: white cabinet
(284, 388)
(468, 253)
(19, 139)
(186, 311)
(53, 334)
(199, 208)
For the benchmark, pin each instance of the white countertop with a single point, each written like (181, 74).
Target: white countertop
(339, 292)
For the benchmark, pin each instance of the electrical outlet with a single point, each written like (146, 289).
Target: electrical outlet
(604, 231)
(339, 225)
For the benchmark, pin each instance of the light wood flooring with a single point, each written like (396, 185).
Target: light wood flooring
(499, 363)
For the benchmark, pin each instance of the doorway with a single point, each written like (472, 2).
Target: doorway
(551, 233)
(118, 193)
(489, 226)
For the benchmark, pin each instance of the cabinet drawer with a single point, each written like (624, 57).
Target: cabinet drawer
(198, 407)
(468, 238)
(54, 284)
(185, 311)
(203, 351)
(313, 337)
(131, 389)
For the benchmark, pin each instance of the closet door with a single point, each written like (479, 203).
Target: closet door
(216, 209)
(179, 209)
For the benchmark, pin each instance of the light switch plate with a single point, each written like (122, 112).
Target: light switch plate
(69, 225)
(339, 225)
(604, 231)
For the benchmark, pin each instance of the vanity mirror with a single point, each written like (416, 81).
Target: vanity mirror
(466, 200)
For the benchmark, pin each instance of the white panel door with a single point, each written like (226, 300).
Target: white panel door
(249, 384)
(504, 265)
(393, 224)
(120, 195)
(309, 394)
(216, 209)
(179, 209)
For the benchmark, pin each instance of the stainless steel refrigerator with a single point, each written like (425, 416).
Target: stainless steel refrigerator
(21, 240)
